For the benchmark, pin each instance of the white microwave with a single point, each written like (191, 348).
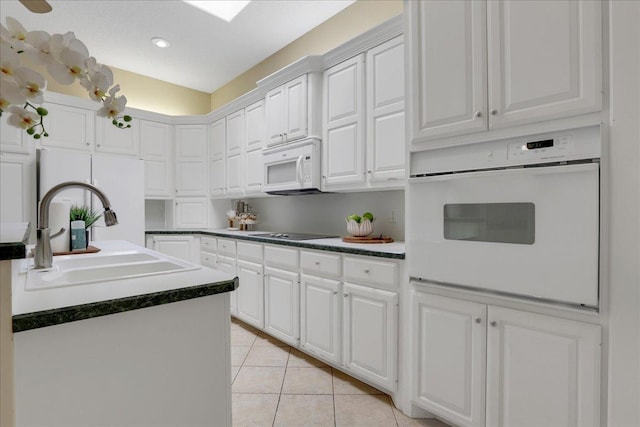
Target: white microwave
(292, 168)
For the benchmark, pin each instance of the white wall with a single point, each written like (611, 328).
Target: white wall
(624, 215)
(322, 213)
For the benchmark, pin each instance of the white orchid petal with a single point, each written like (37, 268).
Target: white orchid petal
(10, 91)
(79, 47)
(22, 118)
(114, 90)
(36, 37)
(60, 73)
(16, 29)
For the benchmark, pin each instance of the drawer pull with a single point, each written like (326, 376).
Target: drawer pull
(366, 270)
(316, 262)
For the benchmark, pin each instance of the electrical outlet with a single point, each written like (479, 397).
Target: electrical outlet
(393, 217)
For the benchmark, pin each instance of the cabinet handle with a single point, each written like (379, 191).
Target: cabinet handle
(477, 319)
(316, 262)
(346, 295)
(366, 270)
(493, 323)
(88, 144)
(478, 114)
(494, 112)
(369, 171)
(335, 292)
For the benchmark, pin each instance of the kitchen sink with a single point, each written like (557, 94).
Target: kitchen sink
(93, 268)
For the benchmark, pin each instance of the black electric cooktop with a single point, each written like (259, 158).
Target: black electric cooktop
(294, 236)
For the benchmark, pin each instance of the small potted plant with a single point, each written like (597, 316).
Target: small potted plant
(89, 217)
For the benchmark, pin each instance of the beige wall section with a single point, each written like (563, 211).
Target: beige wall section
(361, 16)
(149, 94)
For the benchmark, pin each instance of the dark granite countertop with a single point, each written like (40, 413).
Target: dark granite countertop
(13, 240)
(332, 245)
(56, 316)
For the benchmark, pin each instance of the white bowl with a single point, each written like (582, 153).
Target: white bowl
(360, 230)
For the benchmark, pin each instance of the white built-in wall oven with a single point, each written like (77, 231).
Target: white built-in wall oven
(517, 216)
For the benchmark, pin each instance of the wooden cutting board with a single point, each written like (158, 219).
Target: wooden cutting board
(367, 239)
(90, 250)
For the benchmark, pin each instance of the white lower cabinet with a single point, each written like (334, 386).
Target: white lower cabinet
(250, 293)
(320, 316)
(282, 304)
(228, 265)
(370, 333)
(526, 369)
(180, 246)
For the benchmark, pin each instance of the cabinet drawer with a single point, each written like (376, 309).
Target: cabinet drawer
(208, 244)
(277, 256)
(208, 259)
(371, 272)
(250, 251)
(321, 263)
(227, 247)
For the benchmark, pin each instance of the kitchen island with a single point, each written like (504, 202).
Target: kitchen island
(148, 350)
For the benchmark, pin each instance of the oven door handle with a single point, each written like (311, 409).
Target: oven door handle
(582, 167)
(299, 169)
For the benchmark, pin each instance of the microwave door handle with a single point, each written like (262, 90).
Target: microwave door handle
(299, 169)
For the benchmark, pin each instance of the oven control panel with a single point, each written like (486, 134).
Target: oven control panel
(543, 149)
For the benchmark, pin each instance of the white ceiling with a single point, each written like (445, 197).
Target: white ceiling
(206, 52)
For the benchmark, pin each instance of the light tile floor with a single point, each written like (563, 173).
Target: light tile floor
(277, 385)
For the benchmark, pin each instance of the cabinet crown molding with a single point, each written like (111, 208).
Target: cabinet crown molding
(308, 64)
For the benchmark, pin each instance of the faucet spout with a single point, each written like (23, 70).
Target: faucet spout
(43, 253)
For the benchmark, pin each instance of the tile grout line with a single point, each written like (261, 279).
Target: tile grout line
(286, 366)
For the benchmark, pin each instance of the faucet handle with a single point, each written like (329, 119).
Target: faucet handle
(62, 230)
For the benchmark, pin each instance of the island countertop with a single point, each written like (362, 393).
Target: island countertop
(13, 239)
(51, 306)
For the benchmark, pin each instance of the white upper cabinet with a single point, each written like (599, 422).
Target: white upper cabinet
(73, 127)
(448, 62)
(343, 142)
(234, 175)
(13, 139)
(114, 140)
(191, 212)
(478, 65)
(155, 150)
(191, 160)
(544, 60)
(254, 125)
(286, 112)
(385, 112)
(363, 142)
(235, 133)
(217, 158)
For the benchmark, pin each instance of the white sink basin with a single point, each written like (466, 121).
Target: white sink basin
(73, 270)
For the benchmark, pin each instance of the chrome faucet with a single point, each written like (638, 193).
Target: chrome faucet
(43, 254)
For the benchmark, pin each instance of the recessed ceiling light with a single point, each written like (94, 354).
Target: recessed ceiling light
(223, 9)
(160, 42)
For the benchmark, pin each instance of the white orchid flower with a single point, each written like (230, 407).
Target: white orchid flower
(112, 106)
(98, 79)
(22, 118)
(31, 83)
(14, 33)
(37, 47)
(70, 67)
(9, 61)
(10, 94)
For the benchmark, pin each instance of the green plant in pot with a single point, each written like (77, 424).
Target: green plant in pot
(81, 213)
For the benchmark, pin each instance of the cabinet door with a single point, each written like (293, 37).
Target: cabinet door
(447, 45)
(235, 133)
(282, 304)
(183, 247)
(191, 212)
(13, 139)
(296, 109)
(251, 294)
(115, 140)
(218, 139)
(385, 112)
(253, 172)
(228, 265)
(234, 174)
(541, 370)
(217, 173)
(254, 125)
(155, 150)
(371, 334)
(191, 155)
(320, 316)
(449, 359)
(72, 128)
(544, 60)
(275, 119)
(343, 145)
(17, 191)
